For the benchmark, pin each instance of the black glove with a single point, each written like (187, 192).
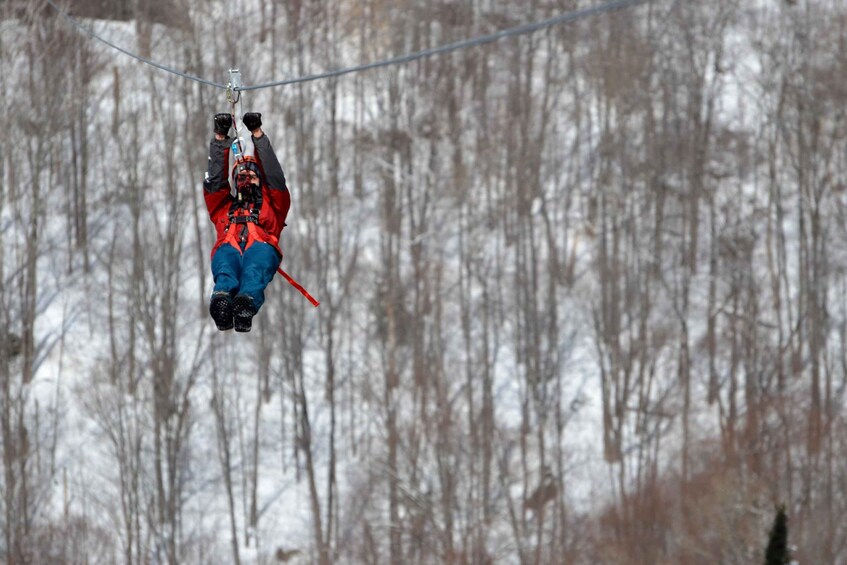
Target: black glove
(223, 122)
(252, 120)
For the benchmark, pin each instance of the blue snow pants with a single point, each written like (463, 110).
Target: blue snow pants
(246, 274)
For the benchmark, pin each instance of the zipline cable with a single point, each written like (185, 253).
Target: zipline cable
(569, 17)
(511, 32)
(165, 68)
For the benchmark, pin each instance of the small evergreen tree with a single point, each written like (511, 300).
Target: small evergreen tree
(777, 552)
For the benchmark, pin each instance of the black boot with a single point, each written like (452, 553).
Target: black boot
(243, 312)
(220, 307)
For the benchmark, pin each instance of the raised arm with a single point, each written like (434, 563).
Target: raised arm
(264, 152)
(270, 164)
(216, 173)
(215, 184)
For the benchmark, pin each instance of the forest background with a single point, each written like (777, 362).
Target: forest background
(584, 296)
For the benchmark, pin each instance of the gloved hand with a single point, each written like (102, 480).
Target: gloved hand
(252, 120)
(223, 122)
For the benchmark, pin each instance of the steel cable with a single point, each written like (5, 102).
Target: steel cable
(569, 17)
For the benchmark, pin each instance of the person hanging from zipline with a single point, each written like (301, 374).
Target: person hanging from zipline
(246, 253)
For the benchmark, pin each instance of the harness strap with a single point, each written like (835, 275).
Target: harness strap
(250, 215)
(297, 285)
(244, 219)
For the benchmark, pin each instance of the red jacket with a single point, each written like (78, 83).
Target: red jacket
(232, 220)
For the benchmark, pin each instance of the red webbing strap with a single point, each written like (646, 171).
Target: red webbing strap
(302, 290)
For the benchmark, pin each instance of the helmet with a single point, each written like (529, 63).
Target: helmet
(247, 163)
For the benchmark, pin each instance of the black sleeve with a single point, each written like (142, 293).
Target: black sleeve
(216, 175)
(274, 176)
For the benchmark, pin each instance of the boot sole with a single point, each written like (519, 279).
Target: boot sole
(221, 310)
(243, 313)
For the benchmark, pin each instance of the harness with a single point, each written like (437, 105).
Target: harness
(246, 215)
